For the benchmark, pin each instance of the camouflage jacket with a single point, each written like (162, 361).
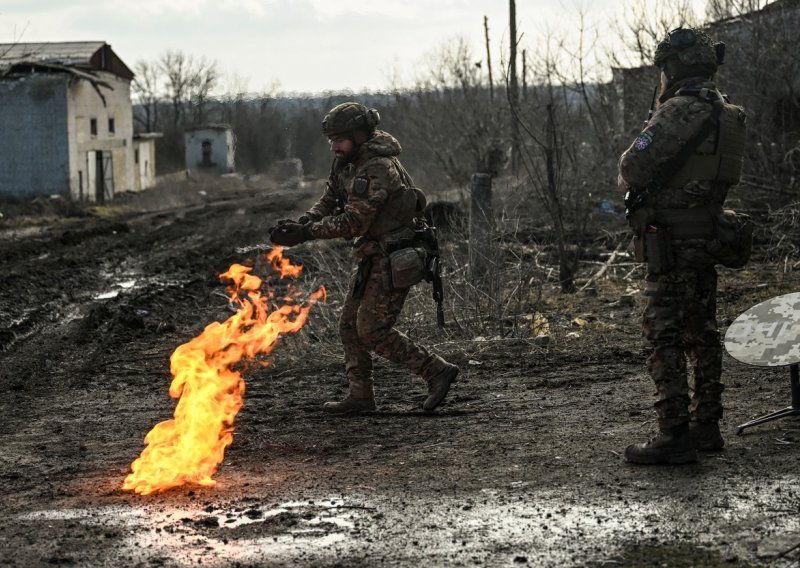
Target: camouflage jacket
(377, 194)
(676, 120)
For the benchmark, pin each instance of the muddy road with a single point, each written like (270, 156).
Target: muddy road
(521, 466)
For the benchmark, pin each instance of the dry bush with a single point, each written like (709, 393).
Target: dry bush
(781, 235)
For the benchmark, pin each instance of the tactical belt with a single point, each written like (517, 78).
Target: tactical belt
(686, 224)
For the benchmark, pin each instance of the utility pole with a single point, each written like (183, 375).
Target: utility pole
(513, 95)
(488, 57)
(524, 74)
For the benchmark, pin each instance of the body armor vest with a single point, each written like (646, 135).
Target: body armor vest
(719, 158)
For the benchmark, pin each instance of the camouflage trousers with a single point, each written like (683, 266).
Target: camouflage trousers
(679, 321)
(366, 327)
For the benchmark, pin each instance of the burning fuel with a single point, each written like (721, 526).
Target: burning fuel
(189, 447)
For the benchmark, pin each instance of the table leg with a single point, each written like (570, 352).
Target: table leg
(793, 410)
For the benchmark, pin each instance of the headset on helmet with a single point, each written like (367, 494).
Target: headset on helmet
(350, 116)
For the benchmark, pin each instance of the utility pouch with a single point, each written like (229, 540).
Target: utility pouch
(733, 244)
(408, 267)
(658, 250)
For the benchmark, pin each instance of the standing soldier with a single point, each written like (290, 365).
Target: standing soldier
(369, 196)
(676, 176)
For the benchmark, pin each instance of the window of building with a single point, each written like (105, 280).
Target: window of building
(136, 156)
(111, 126)
(93, 126)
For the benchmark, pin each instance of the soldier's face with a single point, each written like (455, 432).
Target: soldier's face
(341, 146)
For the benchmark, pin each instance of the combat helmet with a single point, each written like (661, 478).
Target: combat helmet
(349, 117)
(687, 52)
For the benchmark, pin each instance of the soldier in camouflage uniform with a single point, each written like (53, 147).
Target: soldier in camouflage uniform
(674, 198)
(369, 196)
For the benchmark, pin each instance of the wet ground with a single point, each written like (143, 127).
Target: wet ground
(521, 466)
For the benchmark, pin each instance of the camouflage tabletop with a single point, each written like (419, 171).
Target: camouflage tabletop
(768, 334)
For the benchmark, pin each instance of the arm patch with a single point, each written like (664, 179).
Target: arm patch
(360, 186)
(645, 138)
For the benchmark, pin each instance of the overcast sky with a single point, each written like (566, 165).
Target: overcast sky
(297, 45)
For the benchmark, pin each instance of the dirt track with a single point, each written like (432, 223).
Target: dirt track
(522, 465)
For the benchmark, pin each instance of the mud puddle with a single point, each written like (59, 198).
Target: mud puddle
(217, 535)
(514, 525)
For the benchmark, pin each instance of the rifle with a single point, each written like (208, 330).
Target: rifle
(433, 274)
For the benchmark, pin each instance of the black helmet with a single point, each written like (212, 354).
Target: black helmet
(347, 117)
(687, 52)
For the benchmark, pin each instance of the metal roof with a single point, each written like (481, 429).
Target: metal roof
(77, 53)
(87, 55)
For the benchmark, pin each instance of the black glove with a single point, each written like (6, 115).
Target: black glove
(290, 234)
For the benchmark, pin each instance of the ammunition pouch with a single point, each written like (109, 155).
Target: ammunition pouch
(410, 255)
(733, 242)
(407, 266)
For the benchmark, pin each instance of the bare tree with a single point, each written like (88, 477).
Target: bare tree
(204, 78)
(567, 128)
(448, 115)
(722, 9)
(188, 80)
(146, 88)
(646, 23)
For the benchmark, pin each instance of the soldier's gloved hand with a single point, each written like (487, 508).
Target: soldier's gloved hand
(290, 234)
(304, 219)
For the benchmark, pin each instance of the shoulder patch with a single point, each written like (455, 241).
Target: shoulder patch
(360, 186)
(646, 137)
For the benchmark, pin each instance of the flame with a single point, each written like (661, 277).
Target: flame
(189, 447)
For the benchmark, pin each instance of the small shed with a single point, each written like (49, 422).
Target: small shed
(210, 149)
(144, 159)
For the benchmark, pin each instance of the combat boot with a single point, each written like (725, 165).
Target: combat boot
(706, 436)
(672, 445)
(440, 375)
(361, 398)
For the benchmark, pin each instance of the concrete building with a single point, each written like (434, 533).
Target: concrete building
(210, 149)
(65, 110)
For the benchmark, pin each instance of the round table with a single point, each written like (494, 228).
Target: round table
(768, 335)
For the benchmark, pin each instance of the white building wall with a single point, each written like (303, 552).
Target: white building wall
(85, 104)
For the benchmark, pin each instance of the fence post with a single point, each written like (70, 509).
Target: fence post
(481, 227)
